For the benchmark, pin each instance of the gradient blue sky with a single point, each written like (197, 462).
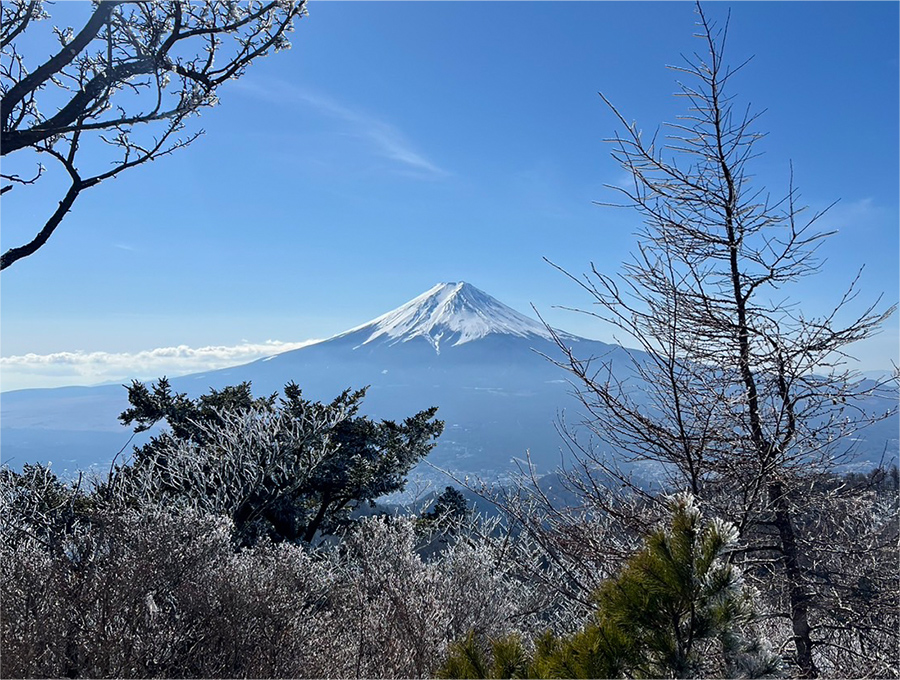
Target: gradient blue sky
(400, 144)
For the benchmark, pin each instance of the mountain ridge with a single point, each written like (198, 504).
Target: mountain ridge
(483, 364)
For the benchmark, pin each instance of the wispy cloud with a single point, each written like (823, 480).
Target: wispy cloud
(384, 138)
(855, 215)
(85, 368)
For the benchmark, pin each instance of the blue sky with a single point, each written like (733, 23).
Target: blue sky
(400, 144)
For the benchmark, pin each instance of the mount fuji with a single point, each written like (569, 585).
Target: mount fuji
(452, 314)
(482, 363)
(486, 366)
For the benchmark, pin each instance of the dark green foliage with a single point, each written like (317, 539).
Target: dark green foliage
(674, 597)
(450, 505)
(510, 659)
(677, 609)
(600, 650)
(370, 459)
(339, 460)
(467, 659)
(185, 417)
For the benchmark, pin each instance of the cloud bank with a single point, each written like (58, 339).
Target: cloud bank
(89, 368)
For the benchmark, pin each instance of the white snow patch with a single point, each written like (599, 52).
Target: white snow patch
(457, 312)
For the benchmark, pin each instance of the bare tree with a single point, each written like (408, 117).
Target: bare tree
(573, 532)
(738, 397)
(125, 83)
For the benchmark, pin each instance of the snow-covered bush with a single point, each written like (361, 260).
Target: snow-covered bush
(163, 594)
(113, 601)
(394, 612)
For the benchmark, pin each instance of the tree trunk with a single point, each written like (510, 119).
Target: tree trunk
(316, 521)
(797, 592)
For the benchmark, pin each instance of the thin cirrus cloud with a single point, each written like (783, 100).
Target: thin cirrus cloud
(87, 368)
(385, 139)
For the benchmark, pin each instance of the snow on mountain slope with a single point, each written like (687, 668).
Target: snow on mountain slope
(482, 363)
(449, 314)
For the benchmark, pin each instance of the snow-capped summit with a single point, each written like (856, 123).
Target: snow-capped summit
(449, 314)
(483, 364)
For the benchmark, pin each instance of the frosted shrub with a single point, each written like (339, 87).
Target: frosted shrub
(150, 593)
(115, 601)
(266, 615)
(395, 612)
(36, 505)
(30, 624)
(241, 466)
(160, 595)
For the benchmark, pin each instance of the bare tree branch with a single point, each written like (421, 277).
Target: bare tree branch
(737, 396)
(134, 64)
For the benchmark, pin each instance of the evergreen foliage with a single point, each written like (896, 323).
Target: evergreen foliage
(289, 468)
(467, 659)
(677, 609)
(450, 505)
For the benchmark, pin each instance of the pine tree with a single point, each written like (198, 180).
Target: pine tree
(677, 609)
(468, 659)
(290, 468)
(678, 606)
(450, 505)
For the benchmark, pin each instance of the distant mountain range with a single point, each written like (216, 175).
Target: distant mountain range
(482, 363)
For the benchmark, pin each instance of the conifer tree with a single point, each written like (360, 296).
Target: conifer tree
(290, 468)
(450, 506)
(677, 609)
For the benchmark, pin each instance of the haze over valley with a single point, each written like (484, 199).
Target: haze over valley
(488, 368)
